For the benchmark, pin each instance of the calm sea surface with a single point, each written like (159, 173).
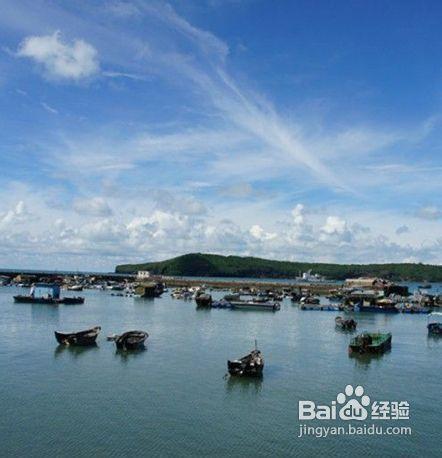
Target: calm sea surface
(173, 400)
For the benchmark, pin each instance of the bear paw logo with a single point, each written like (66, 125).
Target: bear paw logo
(353, 409)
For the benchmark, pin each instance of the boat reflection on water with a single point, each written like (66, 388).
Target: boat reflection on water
(144, 300)
(124, 355)
(434, 340)
(244, 384)
(363, 361)
(47, 314)
(73, 350)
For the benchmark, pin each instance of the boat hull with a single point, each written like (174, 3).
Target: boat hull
(71, 300)
(255, 305)
(131, 340)
(48, 300)
(378, 309)
(35, 300)
(81, 339)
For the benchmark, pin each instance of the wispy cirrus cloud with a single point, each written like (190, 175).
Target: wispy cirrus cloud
(173, 148)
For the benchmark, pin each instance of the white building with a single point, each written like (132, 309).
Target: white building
(143, 275)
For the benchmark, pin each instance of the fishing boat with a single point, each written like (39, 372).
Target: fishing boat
(203, 300)
(434, 325)
(272, 306)
(232, 297)
(81, 338)
(296, 297)
(46, 293)
(221, 304)
(311, 300)
(250, 365)
(369, 342)
(71, 300)
(130, 340)
(383, 305)
(345, 325)
(75, 288)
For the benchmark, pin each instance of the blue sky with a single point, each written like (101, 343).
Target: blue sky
(294, 130)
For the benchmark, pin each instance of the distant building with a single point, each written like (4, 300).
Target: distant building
(143, 275)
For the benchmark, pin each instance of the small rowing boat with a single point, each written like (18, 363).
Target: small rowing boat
(81, 338)
(130, 340)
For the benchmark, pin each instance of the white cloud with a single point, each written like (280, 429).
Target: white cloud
(260, 234)
(334, 225)
(298, 214)
(18, 215)
(336, 229)
(95, 206)
(61, 60)
(162, 233)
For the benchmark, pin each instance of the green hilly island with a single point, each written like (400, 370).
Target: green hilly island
(212, 265)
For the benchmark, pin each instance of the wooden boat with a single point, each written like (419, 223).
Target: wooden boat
(75, 288)
(71, 300)
(46, 293)
(131, 340)
(221, 304)
(296, 297)
(48, 300)
(434, 325)
(250, 365)
(232, 297)
(345, 325)
(309, 300)
(368, 342)
(203, 300)
(82, 338)
(272, 306)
